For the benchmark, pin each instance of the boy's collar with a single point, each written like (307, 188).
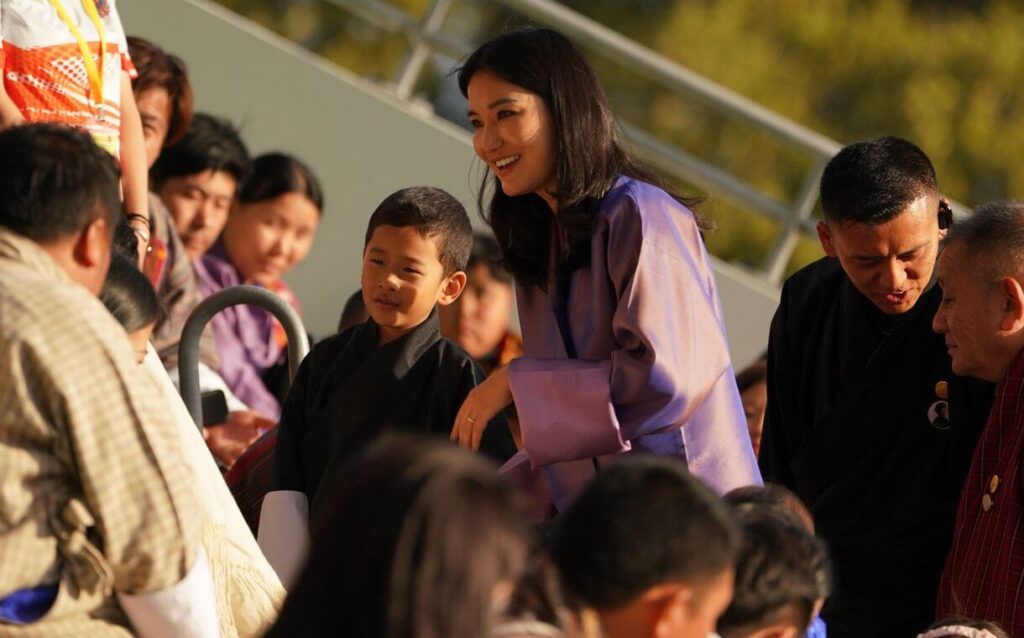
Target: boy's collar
(406, 349)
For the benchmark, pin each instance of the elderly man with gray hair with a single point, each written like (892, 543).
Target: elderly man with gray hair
(981, 272)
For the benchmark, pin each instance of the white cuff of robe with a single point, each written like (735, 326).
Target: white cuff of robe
(188, 608)
(284, 534)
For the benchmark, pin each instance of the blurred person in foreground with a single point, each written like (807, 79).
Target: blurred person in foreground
(83, 555)
(420, 539)
(650, 549)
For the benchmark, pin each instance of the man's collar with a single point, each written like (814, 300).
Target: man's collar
(21, 249)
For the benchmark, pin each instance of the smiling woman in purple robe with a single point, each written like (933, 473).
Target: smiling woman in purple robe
(624, 343)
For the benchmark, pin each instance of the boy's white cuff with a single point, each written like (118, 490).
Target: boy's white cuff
(188, 608)
(284, 533)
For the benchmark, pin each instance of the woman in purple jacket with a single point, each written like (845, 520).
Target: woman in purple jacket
(625, 346)
(269, 231)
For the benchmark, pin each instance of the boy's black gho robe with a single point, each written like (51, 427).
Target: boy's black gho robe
(849, 427)
(349, 389)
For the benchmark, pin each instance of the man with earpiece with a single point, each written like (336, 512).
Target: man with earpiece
(854, 371)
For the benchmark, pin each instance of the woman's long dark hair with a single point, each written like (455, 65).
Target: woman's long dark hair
(274, 174)
(417, 534)
(590, 154)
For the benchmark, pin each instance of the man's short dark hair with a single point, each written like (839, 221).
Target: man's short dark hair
(211, 144)
(781, 573)
(55, 181)
(874, 181)
(993, 236)
(433, 213)
(643, 522)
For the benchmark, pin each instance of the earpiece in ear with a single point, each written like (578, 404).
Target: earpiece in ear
(945, 216)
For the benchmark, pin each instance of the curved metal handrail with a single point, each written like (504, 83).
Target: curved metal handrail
(188, 348)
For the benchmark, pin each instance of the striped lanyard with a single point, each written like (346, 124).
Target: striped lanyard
(95, 74)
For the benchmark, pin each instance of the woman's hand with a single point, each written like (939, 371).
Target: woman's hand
(481, 405)
(230, 439)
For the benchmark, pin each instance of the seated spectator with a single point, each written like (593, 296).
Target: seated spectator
(479, 319)
(419, 538)
(130, 297)
(196, 179)
(752, 383)
(650, 548)
(782, 577)
(393, 372)
(81, 554)
(964, 628)
(164, 97)
(270, 229)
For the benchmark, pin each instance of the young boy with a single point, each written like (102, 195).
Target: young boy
(782, 576)
(650, 549)
(394, 371)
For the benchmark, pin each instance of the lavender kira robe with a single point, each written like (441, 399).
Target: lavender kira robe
(243, 334)
(653, 371)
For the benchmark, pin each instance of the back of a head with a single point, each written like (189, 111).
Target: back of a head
(781, 574)
(770, 496)
(958, 627)
(211, 144)
(642, 522)
(55, 181)
(416, 535)
(129, 295)
(274, 174)
(993, 233)
(874, 181)
(433, 213)
(157, 69)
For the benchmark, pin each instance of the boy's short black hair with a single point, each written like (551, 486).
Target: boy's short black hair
(55, 181)
(642, 522)
(433, 213)
(872, 182)
(782, 569)
(211, 144)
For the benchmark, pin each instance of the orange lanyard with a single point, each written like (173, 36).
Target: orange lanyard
(95, 74)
